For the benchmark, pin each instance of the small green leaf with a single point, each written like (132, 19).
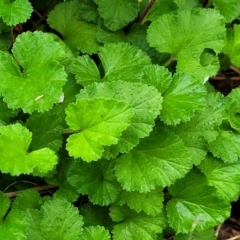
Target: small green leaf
(98, 122)
(96, 179)
(132, 225)
(15, 158)
(187, 4)
(119, 14)
(225, 177)
(151, 202)
(180, 101)
(226, 146)
(206, 234)
(77, 34)
(160, 160)
(14, 12)
(89, 11)
(39, 84)
(95, 233)
(194, 205)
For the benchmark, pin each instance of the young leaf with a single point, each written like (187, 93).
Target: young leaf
(160, 160)
(15, 158)
(46, 129)
(151, 203)
(56, 220)
(14, 226)
(39, 85)
(132, 225)
(225, 177)
(94, 215)
(230, 9)
(77, 34)
(184, 96)
(95, 233)
(98, 122)
(194, 205)
(145, 102)
(226, 146)
(202, 127)
(166, 35)
(119, 14)
(120, 61)
(14, 12)
(96, 179)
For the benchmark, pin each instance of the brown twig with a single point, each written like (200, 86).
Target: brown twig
(146, 11)
(235, 69)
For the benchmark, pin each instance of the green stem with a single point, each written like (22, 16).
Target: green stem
(146, 11)
(169, 61)
(70, 131)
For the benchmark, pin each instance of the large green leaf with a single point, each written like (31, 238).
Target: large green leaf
(194, 205)
(96, 122)
(96, 179)
(145, 102)
(119, 14)
(14, 12)
(133, 225)
(184, 96)
(186, 35)
(160, 159)
(225, 177)
(77, 34)
(15, 157)
(39, 83)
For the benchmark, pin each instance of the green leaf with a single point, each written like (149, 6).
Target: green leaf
(207, 234)
(132, 225)
(187, 4)
(15, 157)
(27, 199)
(77, 34)
(225, 177)
(194, 205)
(14, 226)
(119, 14)
(98, 122)
(120, 61)
(226, 146)
(160, 160)
(232, 44)
(46, 129)
(96, 179)
(5, 112)
(145, 102)
(95, 233)
(56, 220)
(202, 127)
(41, 80)
(14, 12)
(159, 8)
(89, 11)
(94, 215)
(182, 99)
(230, 9)
(150, 203)
(59, 178)
(5, 204)
(157, 76)
(166, 35)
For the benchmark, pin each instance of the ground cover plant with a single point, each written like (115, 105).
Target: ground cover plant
(110, 102)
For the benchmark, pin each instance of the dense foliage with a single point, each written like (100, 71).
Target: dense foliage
(110, 101)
